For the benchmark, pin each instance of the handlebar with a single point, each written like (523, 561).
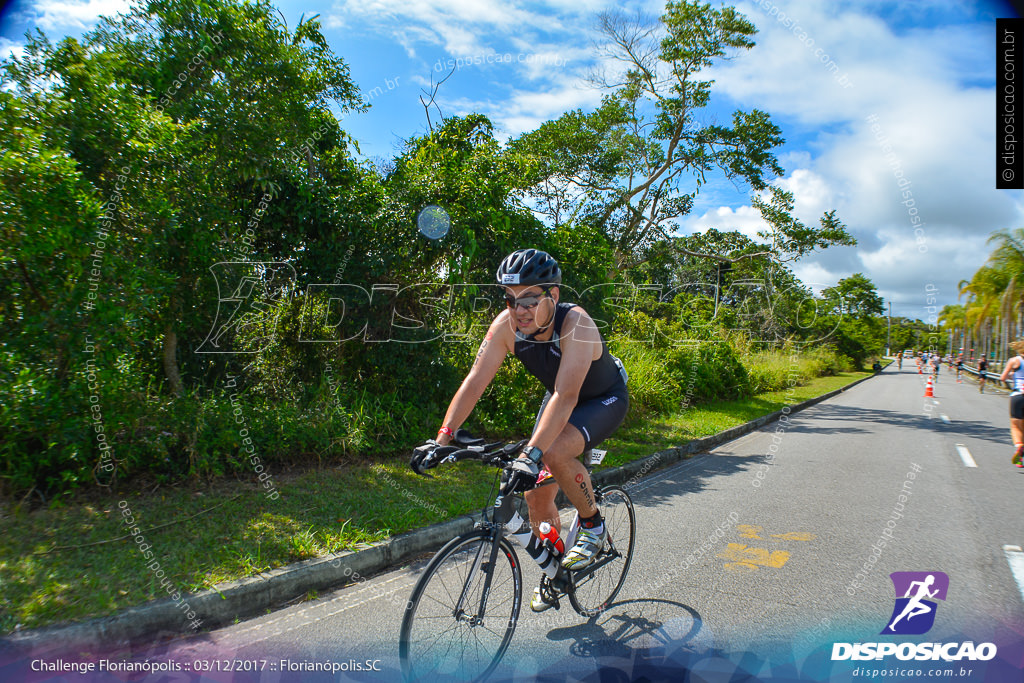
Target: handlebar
(497, 454)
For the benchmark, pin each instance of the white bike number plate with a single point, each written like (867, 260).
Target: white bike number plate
(596, 456)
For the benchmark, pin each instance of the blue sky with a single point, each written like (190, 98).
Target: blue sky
(921, 73)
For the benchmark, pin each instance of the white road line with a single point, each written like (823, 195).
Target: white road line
(965, 455)
(945, 418)
(1015, 557)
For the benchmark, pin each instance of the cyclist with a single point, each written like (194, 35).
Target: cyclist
(982, 369)
(586, 398)
(959, 369)
(899, 361)
(1015, 366)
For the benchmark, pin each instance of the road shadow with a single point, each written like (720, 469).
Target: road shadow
(647, 639)
(699, 472)
(645, 631)
(914, 422)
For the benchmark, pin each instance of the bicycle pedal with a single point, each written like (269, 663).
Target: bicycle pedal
(552, 599)
(561, 583)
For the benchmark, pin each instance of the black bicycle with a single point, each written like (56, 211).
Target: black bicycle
(464, 609)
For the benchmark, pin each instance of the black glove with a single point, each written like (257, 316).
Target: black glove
(520, 476)
(420, 459)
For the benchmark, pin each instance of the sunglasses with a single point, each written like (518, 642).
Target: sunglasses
(527, 302)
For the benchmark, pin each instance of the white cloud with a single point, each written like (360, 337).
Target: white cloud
(54, 15)
(458, 25)
(9, 48)
(816, 276)
(744, 219)
(525, 110)
(813, 195)
(934, 130)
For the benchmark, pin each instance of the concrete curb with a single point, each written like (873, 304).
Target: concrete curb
(248, 598)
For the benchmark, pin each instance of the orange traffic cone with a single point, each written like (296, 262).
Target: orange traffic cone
(928, 390)
(920, 369)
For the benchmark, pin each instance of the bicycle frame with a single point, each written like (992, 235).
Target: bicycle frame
(502, 514)
(427, 652)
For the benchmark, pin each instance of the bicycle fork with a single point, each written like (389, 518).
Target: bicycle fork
(503, 510)
(478, 565)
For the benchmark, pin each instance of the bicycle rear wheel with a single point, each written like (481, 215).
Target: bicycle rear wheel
(594, 588)
(442, 641)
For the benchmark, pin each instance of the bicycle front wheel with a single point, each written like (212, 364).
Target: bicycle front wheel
(445, 636)
(594, 588)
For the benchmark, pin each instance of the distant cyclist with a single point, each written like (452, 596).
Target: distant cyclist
(982, 376)
(959, 369)
(899, 361)
(1015, 368)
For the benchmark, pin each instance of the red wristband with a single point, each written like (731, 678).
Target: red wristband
(446, 430)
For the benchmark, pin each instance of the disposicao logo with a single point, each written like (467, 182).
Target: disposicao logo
(914, 614)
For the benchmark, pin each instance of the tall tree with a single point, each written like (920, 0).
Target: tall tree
(857, 295)
(635, 165)
(208, 106)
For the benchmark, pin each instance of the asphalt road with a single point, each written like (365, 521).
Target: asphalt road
(751, 560)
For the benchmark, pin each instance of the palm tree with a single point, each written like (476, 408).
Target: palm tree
(1009, 258)
(954, 320)
(994, 310)
(985, 304)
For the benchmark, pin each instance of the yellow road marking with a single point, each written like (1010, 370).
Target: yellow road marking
(746, 558)
(749, 530)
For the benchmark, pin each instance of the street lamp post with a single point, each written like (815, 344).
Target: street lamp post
(888, 328)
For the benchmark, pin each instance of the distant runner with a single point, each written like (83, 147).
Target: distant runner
(1015, 366)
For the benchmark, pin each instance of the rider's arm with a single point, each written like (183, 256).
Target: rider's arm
(577, 344)
(1011, 365)
(496, 345)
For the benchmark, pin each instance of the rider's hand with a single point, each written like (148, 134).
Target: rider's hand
(520, 476)
(421, 454)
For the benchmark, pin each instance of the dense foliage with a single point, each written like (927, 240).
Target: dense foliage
(199, 275)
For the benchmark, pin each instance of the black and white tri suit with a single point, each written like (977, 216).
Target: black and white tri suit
(603, 398)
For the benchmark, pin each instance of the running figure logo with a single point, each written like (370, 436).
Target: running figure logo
(914, 612)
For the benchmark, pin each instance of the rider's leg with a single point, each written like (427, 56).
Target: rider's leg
(1017, 428)
(1017, 433)
(541, 502)
(562, 459)
(568, 446)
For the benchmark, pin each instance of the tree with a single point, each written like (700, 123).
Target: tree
(745, 291)
(852, 319)
(856, 295)
(208, 106)
(995, 305)
(634, 166)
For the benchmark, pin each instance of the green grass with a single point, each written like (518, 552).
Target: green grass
(49, 572)
(641, 438)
